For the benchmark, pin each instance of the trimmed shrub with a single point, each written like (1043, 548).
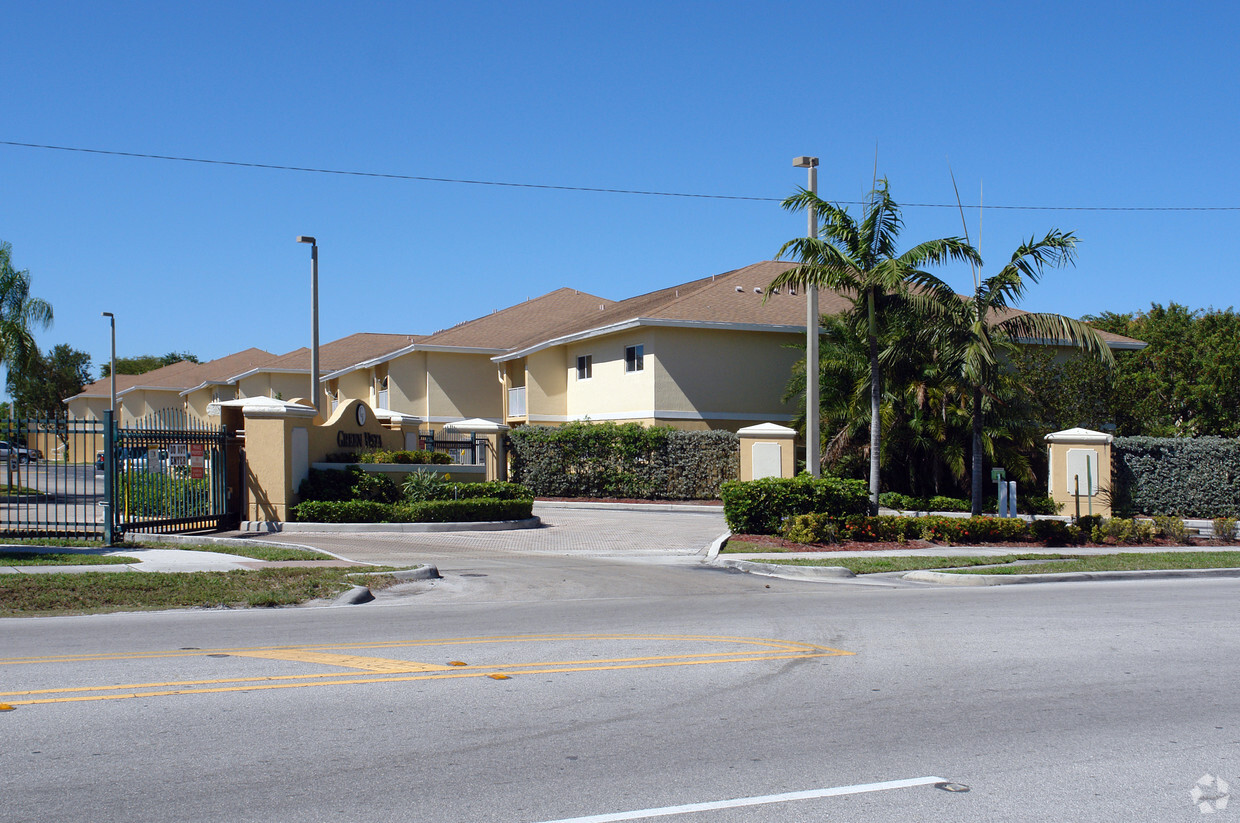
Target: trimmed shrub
(342, 511)
(630, 460)
(429, 511)
(1170, 528)
(1055, 533)
(349, 483)
(461, 511)
(419, 457)
(1224, 528)
(760, 506)
(1176, 475)
(422, 485)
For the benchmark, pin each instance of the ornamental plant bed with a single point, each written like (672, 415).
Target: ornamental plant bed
(775, 543)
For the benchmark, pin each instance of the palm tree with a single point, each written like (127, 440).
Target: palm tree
(860, 261)
(19, 312)
(977, 330)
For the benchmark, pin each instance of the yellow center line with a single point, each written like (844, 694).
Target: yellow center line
(453, 674)
(781, 645)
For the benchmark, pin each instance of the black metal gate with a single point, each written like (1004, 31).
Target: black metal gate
(170, 475)
(53, 485)
(87, 479)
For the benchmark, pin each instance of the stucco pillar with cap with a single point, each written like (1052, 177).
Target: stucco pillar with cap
(767, 450)
(1080, 458)
(492, 434)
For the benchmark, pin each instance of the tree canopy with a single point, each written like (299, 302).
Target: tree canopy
(144, 363)
(39, 389)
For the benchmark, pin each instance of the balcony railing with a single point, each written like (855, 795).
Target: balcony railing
(516, 402)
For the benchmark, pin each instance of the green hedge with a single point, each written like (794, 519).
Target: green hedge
(820, 528)
(760, 506)
(470, 510)
(153, 494)
(1194, 477)
(629, 460)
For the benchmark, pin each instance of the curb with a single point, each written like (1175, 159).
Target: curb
(263, 526)
(950, 579)
(790, 572)
(354, 596)
(712, 551)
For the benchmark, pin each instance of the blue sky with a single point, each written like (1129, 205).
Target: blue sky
(1033, 104)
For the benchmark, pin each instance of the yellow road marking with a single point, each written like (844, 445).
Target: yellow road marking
(386, 670)
(380, 665)
(464, 641)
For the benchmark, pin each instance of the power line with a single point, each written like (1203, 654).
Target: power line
(466, 181)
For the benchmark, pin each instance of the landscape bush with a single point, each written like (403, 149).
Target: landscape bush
(152, 494)
(630, 460)
(1224, 528)
(820, 528)
(349, 483)
(760, 506)
(419, 457)
(428, 511)
(1176, 476)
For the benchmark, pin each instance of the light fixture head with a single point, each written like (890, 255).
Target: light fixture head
(107, 314)
(805, 162)
(302, 238)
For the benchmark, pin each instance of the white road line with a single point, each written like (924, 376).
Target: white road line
(751, 801)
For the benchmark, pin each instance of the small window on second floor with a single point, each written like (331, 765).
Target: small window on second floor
(585, 367)
(634, 359)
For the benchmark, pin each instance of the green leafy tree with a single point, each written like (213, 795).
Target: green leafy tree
(39, 389)
(20, 314)
(977, 332)
(144, 363)
(860, 260)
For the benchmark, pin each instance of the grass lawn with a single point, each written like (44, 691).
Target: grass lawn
(23, 595)
(1014, 563)
(9, 557)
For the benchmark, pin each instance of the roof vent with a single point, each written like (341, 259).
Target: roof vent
(757, 290)
(774, 291)
(738, 288)
(792, 290)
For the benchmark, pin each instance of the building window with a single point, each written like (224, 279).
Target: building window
(634, 359)
(381, 393)
(585, 367)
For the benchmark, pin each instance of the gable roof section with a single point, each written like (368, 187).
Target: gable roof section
(507, 328)
(333, 356)
(733, 299)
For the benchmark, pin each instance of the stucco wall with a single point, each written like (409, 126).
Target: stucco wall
(407, 384)
(611, 391)
(461, 386)
(546, 386)
(724, 376)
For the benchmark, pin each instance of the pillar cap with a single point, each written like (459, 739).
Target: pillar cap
(1078, 435)
(767, 430)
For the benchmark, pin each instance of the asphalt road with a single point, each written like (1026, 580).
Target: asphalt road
(632, 688)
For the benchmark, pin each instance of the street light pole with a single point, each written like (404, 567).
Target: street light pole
(314, 320)
(112, 373)
(813, 441)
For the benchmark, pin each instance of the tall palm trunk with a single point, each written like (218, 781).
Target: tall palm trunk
(977, 451)
(876, 396)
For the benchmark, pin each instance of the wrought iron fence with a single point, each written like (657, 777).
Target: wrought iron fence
(170, 475)
(54, 485)
(463, 448)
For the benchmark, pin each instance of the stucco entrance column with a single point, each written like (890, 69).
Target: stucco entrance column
(492, 433)
(1080, 460)
(767, 450)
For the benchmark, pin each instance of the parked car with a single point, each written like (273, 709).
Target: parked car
(135, 458)
(18, 454)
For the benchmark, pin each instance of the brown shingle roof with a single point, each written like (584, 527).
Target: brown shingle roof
(507, 328)
(734, 297)
(340, 354)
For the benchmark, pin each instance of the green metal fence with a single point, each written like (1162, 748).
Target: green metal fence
(88, 479)
(170, 475)
(52, 486)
